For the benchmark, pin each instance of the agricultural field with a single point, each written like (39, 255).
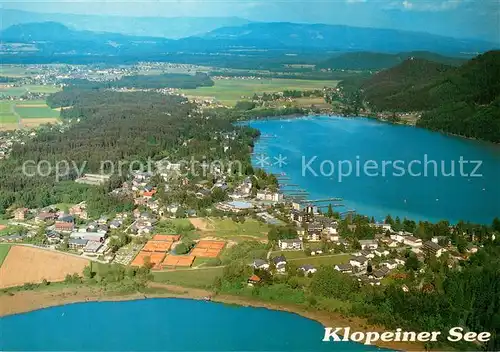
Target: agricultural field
(7, 113)
(21, 90)
(199, 278)
(32, 265)
(4, 251)
(229, 91)
(228, 229)
(28, 114)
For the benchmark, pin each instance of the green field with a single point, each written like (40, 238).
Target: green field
(6, 112)
(4, 250)
(227, 228)
(36, 112)
(18, 91)
(200, 278)
(231, 90)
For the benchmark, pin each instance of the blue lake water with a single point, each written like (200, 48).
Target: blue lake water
(405, 188)
(164, 325)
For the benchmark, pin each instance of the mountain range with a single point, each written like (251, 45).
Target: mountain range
(167, 27)
(267, 36)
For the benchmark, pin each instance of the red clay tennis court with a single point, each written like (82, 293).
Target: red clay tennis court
(154, 258)
(157, 246)
(208, 249)
(178, 260)
(168, 238)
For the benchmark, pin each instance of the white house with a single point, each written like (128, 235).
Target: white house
(358, 262)
(368, 244)
(294, 244)
(391, 264)
(260, 264)
(344, 268)
(381, 252)
(412, 241)
(308, 269)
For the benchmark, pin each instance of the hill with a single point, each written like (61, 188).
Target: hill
(377, 61)
(343, 38)
(463, 100)
(168, 27)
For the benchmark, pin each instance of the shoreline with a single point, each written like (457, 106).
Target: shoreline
(28, 301)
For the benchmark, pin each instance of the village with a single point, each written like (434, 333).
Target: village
(168, 237)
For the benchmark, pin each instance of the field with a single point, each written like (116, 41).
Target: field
(21, 90)
(4, 250)
(228, 229)
(28, 114)
(32, 265)
(229, 91)
(201, 278)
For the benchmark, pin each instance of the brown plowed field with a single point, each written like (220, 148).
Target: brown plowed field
(32, 265)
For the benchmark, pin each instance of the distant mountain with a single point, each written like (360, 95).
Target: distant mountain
(377, 61)
(462, 100)
(168, 27)
(343, 38)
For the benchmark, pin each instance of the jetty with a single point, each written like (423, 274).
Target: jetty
(314, 201)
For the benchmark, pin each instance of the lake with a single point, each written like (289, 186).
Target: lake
(164, 324)
(394, 169)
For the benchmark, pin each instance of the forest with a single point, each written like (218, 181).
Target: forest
(167, 80)
(463, 101)
(106, 128)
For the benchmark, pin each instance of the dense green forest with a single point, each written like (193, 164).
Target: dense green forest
(167, 80)
(463, 101)
(114, 127)
(377, 61)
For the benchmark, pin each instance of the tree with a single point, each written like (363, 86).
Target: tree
(369, 268)
(412, 263)
(329, 212)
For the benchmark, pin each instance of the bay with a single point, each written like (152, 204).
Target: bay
(433, 195)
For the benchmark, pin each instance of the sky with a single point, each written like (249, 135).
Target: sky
(458, 18)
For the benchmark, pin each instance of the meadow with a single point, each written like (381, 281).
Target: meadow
(199, 278)
(4, 250)
(21, 90)
(229, 229)
(229, 91)
(29, 113)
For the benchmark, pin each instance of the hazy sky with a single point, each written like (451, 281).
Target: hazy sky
(459, 18)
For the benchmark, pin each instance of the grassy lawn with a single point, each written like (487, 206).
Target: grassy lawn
(290, 254)
(4, 250)
(201, 278)
(322, 260)
(231, 90)
(227, 228)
